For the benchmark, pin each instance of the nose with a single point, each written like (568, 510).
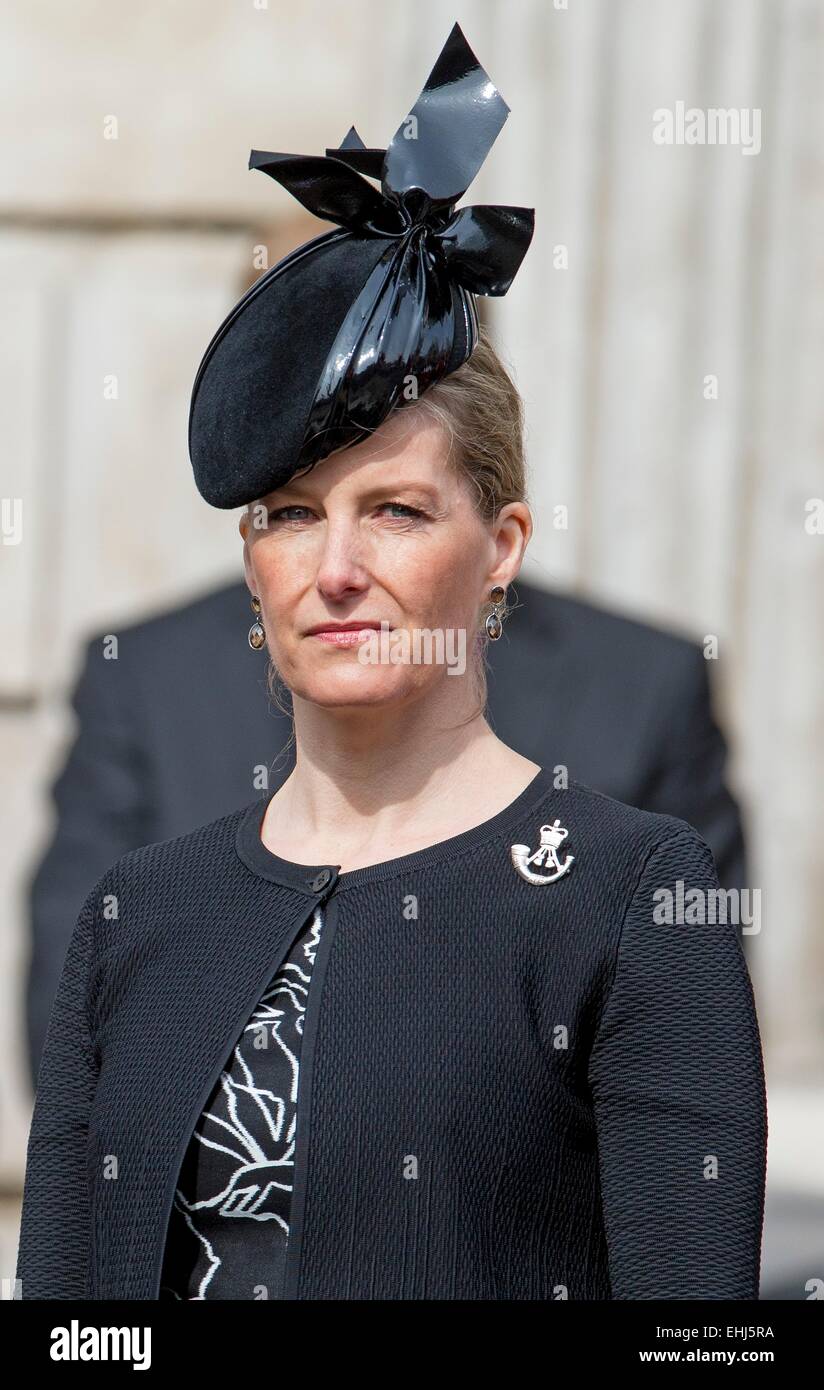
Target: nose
(341, 569)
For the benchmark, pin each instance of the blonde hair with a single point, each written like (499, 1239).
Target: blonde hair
(481, 413)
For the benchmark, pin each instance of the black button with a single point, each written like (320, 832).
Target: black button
(320, 880)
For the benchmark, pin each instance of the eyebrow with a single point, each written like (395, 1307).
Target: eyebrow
(406, 485)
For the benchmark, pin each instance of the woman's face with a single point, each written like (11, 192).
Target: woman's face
(383, 532)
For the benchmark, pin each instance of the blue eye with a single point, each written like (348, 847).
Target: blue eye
(401, 506)
(280, 510)
(408, 512)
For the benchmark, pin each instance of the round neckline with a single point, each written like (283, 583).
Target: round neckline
(266, 864)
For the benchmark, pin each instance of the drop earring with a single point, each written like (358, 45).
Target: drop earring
(257, 636)
(494, 626)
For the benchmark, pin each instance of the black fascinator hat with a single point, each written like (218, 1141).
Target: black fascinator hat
(365, 317)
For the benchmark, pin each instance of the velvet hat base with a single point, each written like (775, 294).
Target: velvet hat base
(254, 391)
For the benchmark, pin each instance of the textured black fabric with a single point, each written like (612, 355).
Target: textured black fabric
(229, 1223)
(513, 1091)
(255, 386)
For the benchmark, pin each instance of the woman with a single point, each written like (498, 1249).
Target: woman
(418, 1025)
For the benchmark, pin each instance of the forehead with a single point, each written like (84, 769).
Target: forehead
(409, 449)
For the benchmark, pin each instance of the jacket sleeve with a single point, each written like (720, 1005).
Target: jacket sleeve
(53, 1253)
(677, 1079)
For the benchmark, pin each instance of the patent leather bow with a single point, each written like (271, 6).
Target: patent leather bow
(403, 323)
(430, 162)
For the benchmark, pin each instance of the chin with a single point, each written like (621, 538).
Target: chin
(360, 686)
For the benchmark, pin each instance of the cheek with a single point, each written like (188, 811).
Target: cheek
(436, 583)
(280, 572)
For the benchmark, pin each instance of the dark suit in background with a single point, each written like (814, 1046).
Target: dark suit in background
(170, 734)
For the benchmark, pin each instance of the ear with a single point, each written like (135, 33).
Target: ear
(251, 582)
(243, 527)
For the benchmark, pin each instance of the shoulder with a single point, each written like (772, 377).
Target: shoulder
(178, 868)
(619, 818)
(616, 842)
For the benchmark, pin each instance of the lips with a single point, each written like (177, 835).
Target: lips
(344, 634)
(343, 627)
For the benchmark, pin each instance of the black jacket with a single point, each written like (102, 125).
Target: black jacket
(509, 1089)
(174, 732)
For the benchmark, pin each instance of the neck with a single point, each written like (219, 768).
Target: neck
(391, 775)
